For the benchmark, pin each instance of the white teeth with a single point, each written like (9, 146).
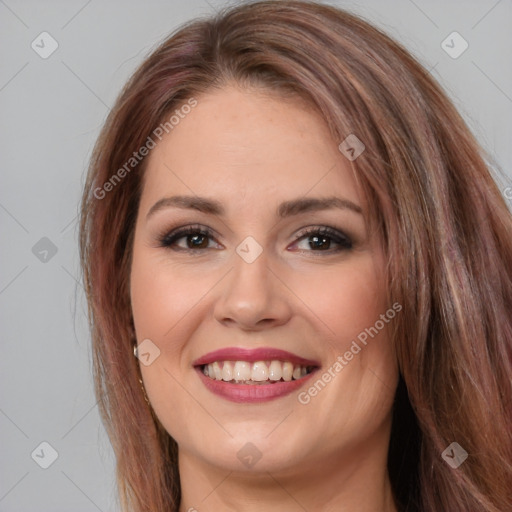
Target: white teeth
(242, 371)
(275, 371)
(259, 371)
(217, 372)
(227, 371)
(287, 371)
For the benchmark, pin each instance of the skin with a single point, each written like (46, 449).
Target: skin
(251, 150)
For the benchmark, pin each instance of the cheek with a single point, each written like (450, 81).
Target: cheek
(345, 298)
(162, 295)
(161, 299)
(352, 303)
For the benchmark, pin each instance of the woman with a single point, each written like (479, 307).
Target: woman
(299, 275)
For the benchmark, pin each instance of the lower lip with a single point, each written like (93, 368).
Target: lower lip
(252, 393)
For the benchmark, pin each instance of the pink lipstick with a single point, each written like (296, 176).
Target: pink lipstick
(253, 375)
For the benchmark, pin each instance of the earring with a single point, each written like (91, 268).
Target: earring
(140, 380)
(144, 392)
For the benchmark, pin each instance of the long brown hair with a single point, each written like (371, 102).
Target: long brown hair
(444, 226)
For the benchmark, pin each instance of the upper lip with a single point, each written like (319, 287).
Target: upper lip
(252, 355)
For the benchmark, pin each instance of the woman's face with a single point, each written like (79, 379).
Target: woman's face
(264, 287)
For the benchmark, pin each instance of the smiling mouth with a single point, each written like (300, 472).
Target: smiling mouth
(256, 373)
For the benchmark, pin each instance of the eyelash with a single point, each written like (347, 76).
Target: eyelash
(168, 239)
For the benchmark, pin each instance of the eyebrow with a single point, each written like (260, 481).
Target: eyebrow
(285, 209)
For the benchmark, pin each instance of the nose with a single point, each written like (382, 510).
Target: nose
(252, 297)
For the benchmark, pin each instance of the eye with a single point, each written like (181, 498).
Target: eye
(195, 238)
(321, 239)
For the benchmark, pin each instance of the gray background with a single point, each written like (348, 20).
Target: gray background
(51, 112)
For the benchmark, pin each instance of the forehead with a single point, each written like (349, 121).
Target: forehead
(241, 143)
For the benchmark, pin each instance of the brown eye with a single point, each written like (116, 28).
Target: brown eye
(322, 239)
(196, 238)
